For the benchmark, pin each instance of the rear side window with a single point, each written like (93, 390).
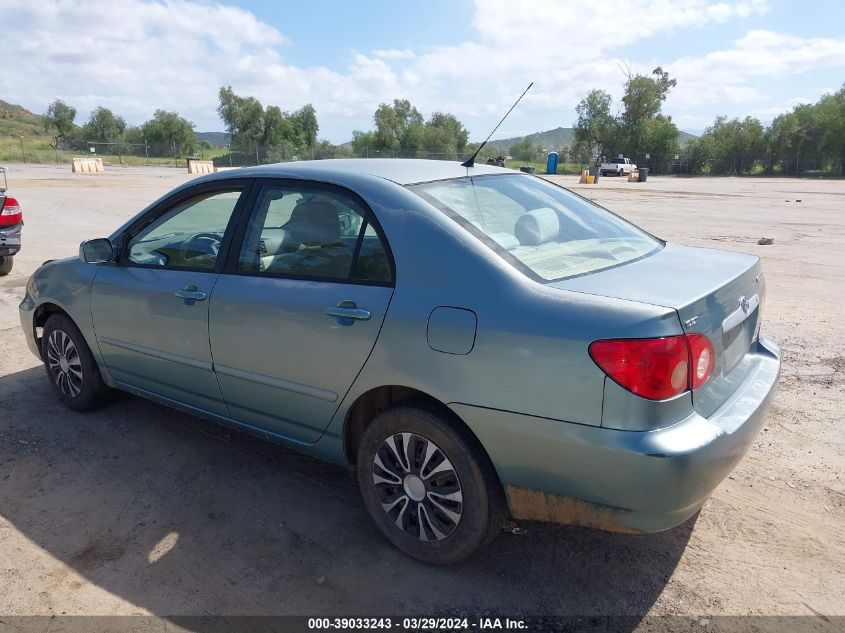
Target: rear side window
(299, 231)
(538, 227)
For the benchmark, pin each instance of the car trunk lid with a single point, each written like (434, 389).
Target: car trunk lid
(715, 293)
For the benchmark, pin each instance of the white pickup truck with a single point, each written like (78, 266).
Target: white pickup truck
(619, 167)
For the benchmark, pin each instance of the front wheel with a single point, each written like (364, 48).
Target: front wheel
(70, 366)
(6, 263)
(427, 485)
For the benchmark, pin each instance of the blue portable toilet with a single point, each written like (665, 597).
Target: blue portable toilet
(551, 163)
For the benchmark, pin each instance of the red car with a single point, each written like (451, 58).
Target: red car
(11, 221)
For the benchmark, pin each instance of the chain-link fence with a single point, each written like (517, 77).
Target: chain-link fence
(738, 165)
(732, 165)
(128, 153)
(171, 154)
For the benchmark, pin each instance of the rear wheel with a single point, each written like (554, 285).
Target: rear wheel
(70, 366)
(427, 486)
(6, 263)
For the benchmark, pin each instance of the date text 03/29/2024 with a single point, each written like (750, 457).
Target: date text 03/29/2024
(417, 624)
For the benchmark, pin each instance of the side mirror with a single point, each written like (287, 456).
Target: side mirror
(96, 251)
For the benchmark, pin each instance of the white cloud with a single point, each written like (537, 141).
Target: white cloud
(724, 75)
(586, 29)
(138, 55)
(393, 53)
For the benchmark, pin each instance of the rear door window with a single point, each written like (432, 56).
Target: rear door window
(302, 231)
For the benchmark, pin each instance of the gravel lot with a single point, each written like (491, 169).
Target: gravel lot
(136, 509)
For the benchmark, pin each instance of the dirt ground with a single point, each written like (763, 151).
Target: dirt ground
(136, 509)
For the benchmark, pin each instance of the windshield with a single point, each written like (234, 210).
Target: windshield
(540, 228)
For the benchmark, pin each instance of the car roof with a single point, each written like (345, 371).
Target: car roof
(403, 171)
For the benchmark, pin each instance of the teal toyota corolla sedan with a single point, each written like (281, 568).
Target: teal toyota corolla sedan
(471, 341)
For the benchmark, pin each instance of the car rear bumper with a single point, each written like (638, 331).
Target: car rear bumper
(10, 239)
(632, 481)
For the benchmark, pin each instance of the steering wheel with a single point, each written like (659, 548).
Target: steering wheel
(200, 242)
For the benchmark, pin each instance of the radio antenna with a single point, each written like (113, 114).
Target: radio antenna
(469, 162)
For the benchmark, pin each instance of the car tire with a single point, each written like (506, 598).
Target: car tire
(70, 366)
(441, 505)
(6, 263)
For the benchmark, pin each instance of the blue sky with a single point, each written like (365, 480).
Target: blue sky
(732, 57)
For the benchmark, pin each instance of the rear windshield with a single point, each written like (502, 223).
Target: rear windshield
(540, 228)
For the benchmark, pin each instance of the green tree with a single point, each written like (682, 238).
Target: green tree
(60, 117)
(643, 100)
(104, 126)
(402, 131)
(444, 133)
(596, 131)
(278, 135)
(305, 126)
(399, 127)
(660, 138)
(324, 149)
(170, 132)
(639, 129)
(735, 144)
(698, 152)
(524, 150)
(831, 118)
(243, 117)
(781, 137)
(363, 142)
(278, 130)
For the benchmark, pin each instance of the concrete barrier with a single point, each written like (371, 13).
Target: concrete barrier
(196, 166)
(87, 165)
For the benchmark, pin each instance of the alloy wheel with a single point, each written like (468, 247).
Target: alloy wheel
(417, 486)
(64, 363)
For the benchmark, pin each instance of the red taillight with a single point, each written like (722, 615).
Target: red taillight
(701, 359)
(10, 213)
(657, 368)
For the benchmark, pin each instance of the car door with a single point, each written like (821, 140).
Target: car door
(150, 309)
(299, 308)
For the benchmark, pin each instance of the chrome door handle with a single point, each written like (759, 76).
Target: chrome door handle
(190, 293)
(348, 312)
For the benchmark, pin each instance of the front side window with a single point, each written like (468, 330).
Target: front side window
(188, 235)
(537, 226)
(301, 231)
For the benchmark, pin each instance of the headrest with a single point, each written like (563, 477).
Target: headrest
(314, 222)
(537, 227)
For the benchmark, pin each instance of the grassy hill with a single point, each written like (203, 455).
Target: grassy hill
(684, 138)
(16, 121)
(219, 139)
(558, 138)
(551, 139)
(19, 126)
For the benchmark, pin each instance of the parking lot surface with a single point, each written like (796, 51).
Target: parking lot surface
(137, 509)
